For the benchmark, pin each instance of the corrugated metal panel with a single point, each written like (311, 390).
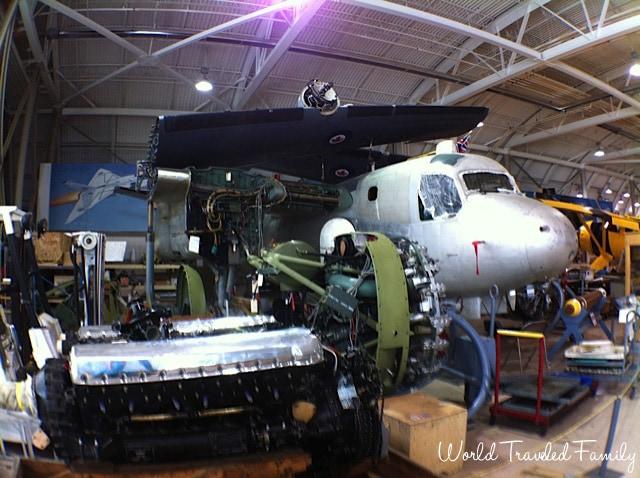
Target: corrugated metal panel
(131, 130)
(344, 29)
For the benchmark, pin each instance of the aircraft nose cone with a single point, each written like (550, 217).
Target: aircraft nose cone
(551, 242)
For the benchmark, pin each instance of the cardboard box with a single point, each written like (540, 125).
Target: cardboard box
(418, 424)
(51, 247)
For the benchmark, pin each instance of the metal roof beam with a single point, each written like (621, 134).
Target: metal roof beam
(614, 161)
(618, 154)
(251, 59)
(548, 159)
(549, 56)
(278, 52)
(154, 59)
(26, 12)
(7, 21)
(575, 126)
(597, 83)
(461, 28)
(555, 53)
(471, 43)
(143, 112)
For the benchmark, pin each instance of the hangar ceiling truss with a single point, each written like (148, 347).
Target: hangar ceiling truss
(443, 53)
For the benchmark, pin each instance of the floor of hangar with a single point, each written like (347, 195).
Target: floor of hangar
(589, 420)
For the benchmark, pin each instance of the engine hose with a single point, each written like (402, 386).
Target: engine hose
(483, 395)
(556, 319)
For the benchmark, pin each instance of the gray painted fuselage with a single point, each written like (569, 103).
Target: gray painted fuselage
(519, 240)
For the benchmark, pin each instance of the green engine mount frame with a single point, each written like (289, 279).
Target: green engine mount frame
(288, 264)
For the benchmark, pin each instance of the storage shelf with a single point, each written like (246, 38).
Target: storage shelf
(112, 265)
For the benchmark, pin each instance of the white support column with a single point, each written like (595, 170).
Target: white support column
(583, 184)
(278, 51)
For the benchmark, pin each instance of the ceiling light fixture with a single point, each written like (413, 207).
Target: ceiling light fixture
(608, 191)
(634, 70)
(579, 195)
(620, 201)
(599, 153)
(636, 204)
(626, 195)
(480, 125)
(204, 85)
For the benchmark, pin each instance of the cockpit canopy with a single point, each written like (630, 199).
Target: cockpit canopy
(441, 195)
(488, 182)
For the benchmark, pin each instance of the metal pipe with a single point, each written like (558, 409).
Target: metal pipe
(556, 319)
(494, 291)
(150, 254)
(612, 433)
(276, 261)
(24, 144)
(7, 21)
(461, 322)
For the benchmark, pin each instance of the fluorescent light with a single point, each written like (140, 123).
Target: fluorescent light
(626, 195)
(579, 195)
(599, 153)
(204, 86)
(480, 125)
(608, 191)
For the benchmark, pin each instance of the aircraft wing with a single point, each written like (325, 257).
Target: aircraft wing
(624, 222)
(568, 206)
(299, 141)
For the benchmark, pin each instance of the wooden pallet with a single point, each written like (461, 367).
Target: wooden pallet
(271, 465)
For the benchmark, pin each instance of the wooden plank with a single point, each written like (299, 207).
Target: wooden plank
(272, 465)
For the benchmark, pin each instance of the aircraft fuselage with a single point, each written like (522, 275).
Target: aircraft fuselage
(469, 213)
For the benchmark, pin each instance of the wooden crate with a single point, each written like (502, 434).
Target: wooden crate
(418, 423)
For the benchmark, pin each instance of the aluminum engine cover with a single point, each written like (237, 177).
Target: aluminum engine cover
(193, 357)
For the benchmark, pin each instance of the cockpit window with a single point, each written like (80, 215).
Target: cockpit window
(488, 182)
(438, 197)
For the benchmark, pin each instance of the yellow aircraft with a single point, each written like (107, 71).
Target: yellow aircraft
(602, 236)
